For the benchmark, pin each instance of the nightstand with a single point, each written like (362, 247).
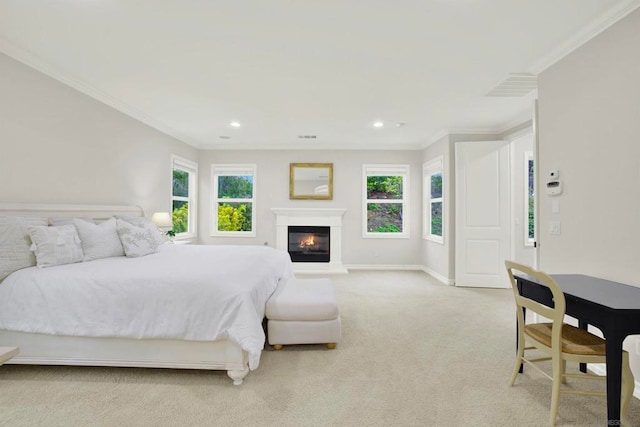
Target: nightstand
(7, 353)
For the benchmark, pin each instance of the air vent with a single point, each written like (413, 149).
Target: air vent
(306, 136)
(516, 85)
(224, 137)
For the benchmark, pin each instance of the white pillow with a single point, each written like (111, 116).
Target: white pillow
(55, 245)
(136, 241)
(146, 223)
(99, 241)
(15, 243)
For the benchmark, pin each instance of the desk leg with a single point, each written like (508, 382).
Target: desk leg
(614, 378)
(524, 311)
(583, 325)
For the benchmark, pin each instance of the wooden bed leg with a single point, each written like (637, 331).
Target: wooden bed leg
(331, 345)
(238, 375)
(277, 346)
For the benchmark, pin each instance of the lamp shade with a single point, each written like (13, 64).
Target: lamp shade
(162, 219)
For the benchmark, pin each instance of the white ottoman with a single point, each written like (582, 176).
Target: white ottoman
(303, 311)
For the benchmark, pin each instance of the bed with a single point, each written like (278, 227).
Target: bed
(184, 306)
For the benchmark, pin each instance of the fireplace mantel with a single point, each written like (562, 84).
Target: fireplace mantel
(331, 217)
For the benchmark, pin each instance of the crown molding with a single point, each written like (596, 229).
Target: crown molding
(473, 131)
(603, 22)
(517, 121)
(459, 131)
(37, 63)
(436, 137)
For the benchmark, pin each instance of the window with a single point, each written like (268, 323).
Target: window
(433, 206)
(183, 196)
(386, 198)
(529, 211)
(233, 200)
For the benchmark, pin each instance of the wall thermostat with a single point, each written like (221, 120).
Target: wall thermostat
(554, 187)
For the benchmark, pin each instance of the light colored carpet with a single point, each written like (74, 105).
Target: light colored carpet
(414, 353)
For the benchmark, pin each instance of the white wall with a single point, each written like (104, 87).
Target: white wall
(589, 111)
(273, 192)
(58, 145)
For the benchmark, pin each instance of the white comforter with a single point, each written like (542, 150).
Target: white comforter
(191, 292)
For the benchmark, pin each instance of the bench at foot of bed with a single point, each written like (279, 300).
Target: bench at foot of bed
(303, 311)
(330, 346)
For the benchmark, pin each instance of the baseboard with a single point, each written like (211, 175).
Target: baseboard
(407, 267)
(601, 369)
(438, 276)
(384, 267)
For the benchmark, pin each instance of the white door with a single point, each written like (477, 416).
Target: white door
(483, 224)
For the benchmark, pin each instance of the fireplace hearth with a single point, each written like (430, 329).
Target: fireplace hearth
(309, 243)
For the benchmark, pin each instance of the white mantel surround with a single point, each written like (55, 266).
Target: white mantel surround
(319, 217)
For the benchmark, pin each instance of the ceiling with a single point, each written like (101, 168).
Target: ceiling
(304, 74)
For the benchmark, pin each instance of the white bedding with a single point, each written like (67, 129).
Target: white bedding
(190, 292)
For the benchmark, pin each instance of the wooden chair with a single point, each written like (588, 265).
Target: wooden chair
(562, 343)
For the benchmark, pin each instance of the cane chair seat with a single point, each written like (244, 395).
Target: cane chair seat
(574, 340)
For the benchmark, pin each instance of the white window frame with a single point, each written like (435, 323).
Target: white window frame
(232, 170)
(191, 168)
(528, 241)
(430, 168)
(386, 170)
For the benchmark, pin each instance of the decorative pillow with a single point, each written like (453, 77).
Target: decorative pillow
(99, 241)
(146, 223)
(15, 243)
(55, 245)
(136, 241)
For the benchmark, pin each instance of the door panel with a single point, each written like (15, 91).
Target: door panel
(482, 213)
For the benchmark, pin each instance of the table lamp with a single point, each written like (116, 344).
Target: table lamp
(163, 221)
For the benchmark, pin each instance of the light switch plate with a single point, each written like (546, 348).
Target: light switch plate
(554, 228)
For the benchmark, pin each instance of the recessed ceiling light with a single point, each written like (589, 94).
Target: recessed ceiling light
(235, 124)
(378, 124)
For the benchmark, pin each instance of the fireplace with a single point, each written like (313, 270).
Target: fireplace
(309, 243)
(312, 217)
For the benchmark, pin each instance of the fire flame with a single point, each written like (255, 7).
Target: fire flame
(307, 242)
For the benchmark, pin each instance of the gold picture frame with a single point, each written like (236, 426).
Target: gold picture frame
(311, 181)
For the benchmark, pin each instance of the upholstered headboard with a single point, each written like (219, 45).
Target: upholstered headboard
(97, 212)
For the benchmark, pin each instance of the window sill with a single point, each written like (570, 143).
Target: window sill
(385, 236)
(233, 234)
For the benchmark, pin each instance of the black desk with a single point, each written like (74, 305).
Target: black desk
(612, 307)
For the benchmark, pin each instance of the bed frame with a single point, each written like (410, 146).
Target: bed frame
(42, 349)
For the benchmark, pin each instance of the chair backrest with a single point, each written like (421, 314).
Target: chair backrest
(555, 313)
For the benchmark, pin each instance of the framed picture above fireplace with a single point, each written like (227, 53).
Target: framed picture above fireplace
(311, 181)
